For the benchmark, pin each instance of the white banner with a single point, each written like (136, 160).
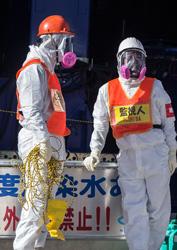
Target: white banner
(95, 210)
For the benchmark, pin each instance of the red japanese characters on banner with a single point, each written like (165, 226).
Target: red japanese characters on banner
(11, 218)
(94, 198)
(85, 219)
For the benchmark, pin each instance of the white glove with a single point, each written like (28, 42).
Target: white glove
(172, 161)
(45, 150)
(92, 161)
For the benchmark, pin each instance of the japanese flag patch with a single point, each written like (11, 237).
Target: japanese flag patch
(169, 110)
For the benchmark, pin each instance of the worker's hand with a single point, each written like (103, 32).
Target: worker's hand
(172, 161)
(45, 150)
(92, 161)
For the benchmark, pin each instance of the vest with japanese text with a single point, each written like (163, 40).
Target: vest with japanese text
(130, 115)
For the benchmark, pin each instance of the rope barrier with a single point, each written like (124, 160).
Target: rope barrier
(8, 111)
(69, 120)
(79, 121)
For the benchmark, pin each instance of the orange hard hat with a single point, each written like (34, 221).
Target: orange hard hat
(54, 25)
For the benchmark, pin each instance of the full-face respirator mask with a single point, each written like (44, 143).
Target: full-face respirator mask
(131, 59)
(132, 64)
(64, 52)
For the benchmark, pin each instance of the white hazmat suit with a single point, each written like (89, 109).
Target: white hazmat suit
(144, 173)
(36, 107)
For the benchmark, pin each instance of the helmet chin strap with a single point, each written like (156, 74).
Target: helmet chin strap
(57, 58)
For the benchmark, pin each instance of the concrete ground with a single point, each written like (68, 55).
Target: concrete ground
(74, 244)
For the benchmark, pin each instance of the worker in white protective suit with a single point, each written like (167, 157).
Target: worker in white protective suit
(140, 114)
(42, 116)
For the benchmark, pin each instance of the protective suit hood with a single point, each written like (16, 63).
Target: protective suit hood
(43, 53)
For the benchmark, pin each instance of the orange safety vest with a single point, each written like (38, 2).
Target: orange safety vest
(56, 123)
(130, 115)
